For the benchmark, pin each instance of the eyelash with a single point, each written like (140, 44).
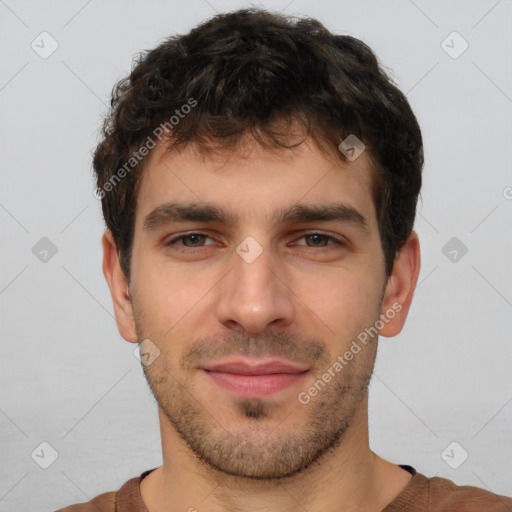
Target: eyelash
(173, 241)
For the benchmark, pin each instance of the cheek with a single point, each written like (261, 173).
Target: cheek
(169, 295)
(344, 302)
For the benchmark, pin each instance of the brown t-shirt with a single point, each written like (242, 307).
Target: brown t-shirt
(421, 494)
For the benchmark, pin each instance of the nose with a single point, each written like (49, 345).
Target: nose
(255, 296)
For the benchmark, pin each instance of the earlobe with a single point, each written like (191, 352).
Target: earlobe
(119, 289)
(400, 287)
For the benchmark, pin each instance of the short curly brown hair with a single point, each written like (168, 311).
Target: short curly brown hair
(247, 72)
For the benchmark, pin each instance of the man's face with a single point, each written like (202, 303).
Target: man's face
(234, 306)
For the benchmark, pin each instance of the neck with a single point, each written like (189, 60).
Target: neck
(348, 477)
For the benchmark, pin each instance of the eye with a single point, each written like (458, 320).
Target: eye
(195, 239)
(316, 239)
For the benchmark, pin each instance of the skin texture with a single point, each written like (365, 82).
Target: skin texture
(303, 299)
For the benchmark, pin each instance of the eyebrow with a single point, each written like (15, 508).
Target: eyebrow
(298, 213)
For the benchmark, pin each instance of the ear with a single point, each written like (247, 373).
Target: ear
(118, 284)
(400, 287)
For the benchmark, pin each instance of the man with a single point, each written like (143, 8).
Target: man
(259, 179)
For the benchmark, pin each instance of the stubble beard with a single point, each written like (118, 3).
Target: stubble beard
(260, 452)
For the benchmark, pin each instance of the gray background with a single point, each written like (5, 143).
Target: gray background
(70, 380)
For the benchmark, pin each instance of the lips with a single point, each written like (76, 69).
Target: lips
(253, 378)
(255, 368)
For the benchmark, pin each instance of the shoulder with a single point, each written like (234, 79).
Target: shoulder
(105, 502)
(436, 494)
(445, 495)
(127, 498)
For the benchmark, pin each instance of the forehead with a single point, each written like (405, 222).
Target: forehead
(254, 181)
